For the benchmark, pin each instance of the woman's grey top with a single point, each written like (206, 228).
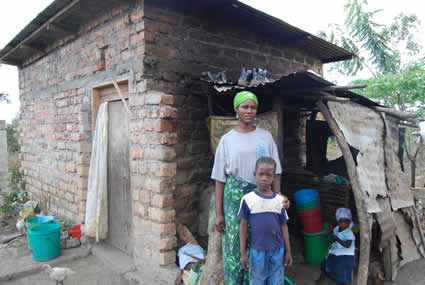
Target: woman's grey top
(237, 154)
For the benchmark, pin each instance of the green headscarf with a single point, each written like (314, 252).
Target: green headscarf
(242, 97)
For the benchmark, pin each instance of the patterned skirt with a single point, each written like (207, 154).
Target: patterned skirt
(234, 190)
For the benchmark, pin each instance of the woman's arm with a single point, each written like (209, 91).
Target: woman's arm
(219, 216)
(276, 189)
(243, 230)
(276, 184)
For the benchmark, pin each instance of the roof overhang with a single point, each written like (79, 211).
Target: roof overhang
(63, 17)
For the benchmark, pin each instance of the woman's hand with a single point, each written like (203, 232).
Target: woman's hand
(286, 203)
(219, 224)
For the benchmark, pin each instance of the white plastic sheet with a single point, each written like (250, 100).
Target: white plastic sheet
(96, 221)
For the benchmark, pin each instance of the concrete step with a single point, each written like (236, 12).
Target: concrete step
(120, 262)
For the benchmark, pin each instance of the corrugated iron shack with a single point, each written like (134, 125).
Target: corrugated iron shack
(372, 134)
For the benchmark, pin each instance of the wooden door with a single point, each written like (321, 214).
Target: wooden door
(119, 197)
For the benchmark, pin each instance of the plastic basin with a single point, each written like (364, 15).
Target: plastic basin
(311, 220)
(35, 221)
(76, 231)
(45, 239)
(316, 246)
(305, 196)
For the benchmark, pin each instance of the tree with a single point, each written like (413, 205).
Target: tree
(377, 47)
(12, 135)
(404, 90)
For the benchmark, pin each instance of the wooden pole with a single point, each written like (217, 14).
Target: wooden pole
(395, 113)
(356, 86)
(363, 265)
(122, 97)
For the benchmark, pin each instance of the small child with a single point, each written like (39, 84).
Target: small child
(263, 210)
(339, 265)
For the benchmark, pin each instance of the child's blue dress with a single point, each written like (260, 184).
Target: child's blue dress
(339, 265)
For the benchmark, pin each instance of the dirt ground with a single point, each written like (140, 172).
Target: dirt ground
(305, 274)
(89, 271)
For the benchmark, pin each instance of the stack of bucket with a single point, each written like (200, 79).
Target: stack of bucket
(315, 231)
(43, 237)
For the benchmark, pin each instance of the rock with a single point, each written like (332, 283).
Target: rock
(70, 243)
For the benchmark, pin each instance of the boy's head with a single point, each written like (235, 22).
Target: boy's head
(265, 169)
(343, 217)
(266, 160)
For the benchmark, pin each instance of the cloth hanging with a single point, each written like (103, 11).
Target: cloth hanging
(96, 220)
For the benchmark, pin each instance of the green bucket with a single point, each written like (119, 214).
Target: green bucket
(287, 281)
(35, 221)
(316, 246)
(45, 240)
(308, 206)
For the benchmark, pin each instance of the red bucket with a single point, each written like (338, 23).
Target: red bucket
(311, 220)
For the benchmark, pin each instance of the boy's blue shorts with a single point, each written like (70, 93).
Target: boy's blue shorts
(266, 267)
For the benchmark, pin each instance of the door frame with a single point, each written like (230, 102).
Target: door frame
(97, 95)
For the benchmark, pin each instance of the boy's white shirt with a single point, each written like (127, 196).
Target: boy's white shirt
(257, 204)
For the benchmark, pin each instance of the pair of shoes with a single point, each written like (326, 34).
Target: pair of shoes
(219, 77)
(253, 77)
(245, 77)
(259, 75)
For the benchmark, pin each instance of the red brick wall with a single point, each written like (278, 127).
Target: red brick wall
(180, 44)
(55, 94)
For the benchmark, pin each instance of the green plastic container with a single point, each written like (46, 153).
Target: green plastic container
(45, 240)
(35, 221)
(308, 206)
(316, 246)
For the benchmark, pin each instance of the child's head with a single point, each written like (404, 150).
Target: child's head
(265, 171)
(343, 217)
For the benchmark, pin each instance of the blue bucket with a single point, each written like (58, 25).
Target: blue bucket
(45, 240)
(35, 221)
(306, 196)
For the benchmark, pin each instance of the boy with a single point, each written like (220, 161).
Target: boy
(263, 210)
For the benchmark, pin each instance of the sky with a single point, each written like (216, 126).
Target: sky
(311, 16)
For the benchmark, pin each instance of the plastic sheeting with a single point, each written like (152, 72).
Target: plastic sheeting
(192, 249)
(96, 220)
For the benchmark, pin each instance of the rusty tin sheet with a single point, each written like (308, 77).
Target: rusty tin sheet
(363, 129)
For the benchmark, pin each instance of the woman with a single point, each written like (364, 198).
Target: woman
(233, 172)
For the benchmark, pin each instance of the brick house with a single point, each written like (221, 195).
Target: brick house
(155, 50)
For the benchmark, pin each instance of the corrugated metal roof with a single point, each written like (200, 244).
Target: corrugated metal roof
(287, 35)
(36, 23)
(293, 88)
